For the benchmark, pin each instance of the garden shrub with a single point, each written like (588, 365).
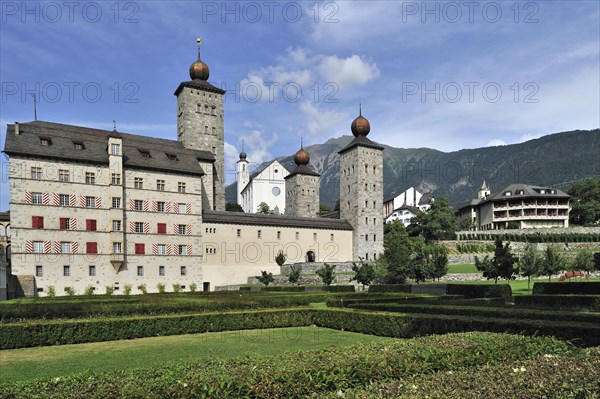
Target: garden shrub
(481, 290)
(582, 302)
(390, 288)
(338, 288)
(572, 287)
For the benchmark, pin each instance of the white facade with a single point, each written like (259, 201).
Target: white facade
(242, 178)
(410, 197)
(404, 214)
(266, 186)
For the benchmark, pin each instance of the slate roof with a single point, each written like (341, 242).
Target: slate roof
(302, 170)
(257, 219)
(199, 84)
(528, 192)
(412, 209)
(95, 142)
(362, 141)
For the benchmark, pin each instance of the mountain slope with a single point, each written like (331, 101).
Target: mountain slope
(549, 160)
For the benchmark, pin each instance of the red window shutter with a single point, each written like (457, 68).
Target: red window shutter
(162, 228)
(34, 222)
(140, 249)
(63, 223)
(91, 248)
(90, 224)
(93, 225)
(40, 222)
(37, 222)
(87, 224)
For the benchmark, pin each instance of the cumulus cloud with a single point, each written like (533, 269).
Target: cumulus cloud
(256, 145)
(346, 72)
(320, 121)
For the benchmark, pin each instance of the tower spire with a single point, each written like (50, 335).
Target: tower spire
(198, 42)
(359, 107)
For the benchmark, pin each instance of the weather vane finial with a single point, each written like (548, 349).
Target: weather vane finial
(302, 141)
(242, 145)
(198, 43)
(359, 106)
(114, 125)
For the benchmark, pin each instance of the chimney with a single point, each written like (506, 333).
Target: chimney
(17, 128)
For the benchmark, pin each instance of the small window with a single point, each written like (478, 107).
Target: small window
(91, 248)
(160, 185)
(65, 223)
(182, 208)
(332, 238)
(140, 248)
(139, 227)
(115, 179)
(279, 235)
(65, 247)
(182, 229)
(39, 271)
(314, 236)
(183, 270)
(140, 271)
(374, 237)
(139, 205)
(90, 202)
(90, 224)
(36, 198)
(214, 130)
(90, 178)
(145, 154)
(171, 157)
(297, 235)
(117, 248)
(78, 145)
(66, 271)
(181, 187)
(45, 141)
(37, 222)
(92, 270)
(116, 225)
(182, 250)
(138, 182)
(63, 175)
(116, 202)
(38, 247)
(36, 173)
(239, 233)
(115, 149)
(63, 199)
(160, 206)
(259, 235)
(508, 193)
(161, 249)
(161, 271)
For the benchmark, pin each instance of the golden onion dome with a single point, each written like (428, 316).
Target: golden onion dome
(302, 157)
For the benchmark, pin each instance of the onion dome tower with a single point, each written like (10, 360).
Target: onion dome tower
(200, 126)
(361, 190)
(242, 177)
(302, 187)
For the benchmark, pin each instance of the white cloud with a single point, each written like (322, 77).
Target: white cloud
(346, 72)
(231, 156)
(320, 121)
(257, 144)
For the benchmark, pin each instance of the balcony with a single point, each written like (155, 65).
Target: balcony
(117, 259)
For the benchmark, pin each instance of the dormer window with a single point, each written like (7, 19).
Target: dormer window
(520, 192)
(542, 191)
(45, 141)
(171, 157)
(145, 154)
(78, 145)
(507, 193)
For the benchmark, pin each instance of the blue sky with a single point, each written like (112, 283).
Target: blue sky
(445, 75)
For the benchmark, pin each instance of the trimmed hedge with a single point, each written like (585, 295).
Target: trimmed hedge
(588, 302)
(481, 290)
(282, 289)
(574, 287)
(390, 288)
(338, 288)
(292, 376)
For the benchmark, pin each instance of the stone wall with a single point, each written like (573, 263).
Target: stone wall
(312, 267)
(556, 230)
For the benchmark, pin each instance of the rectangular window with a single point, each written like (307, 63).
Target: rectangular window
(140, 271)
(63, 199)
(183, 270)
(92, 270)
(90, 202)
(139, 205)
(239, 233)
(206, 129)
(65, 223)
(78, 145)
(171, 157)
(182, 228)
(161, 270)
(116, 225)
(91, 247)
(332, 238)
(115, 179)
(39, 271)
(182, 249)
(66, 271)
(140, 248)
(38, 247)
(36, 173)
(160, 206)
(314, 236)
(117, 248)
(65, 247)
(182, 208)
(90, 178)
(161, 228)
(279, 235)
(63, 175)
(36, 198)
(45, 141)
(374, 237)
(160, 185)
(259, 235)
(90, 224)
(145, 154)
(138, 182)
(37, 222)
(297, 235)
(139, 227)
(115, 149)
(161, 249)
(116, 202)
(181, 187)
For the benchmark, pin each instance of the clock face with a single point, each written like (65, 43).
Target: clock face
(276, 191)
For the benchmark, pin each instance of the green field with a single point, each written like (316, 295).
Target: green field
(519, 287)
(462, 268)
(54, 361)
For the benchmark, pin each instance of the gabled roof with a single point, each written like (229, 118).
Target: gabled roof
(361, 141)
(526, 191)
(410, 208)
(261, 169)
(200, 85)
(257, 219)
(95, 151)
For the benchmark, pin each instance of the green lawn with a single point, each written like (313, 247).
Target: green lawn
(462, 268)
(519, 287)
(53, 361)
